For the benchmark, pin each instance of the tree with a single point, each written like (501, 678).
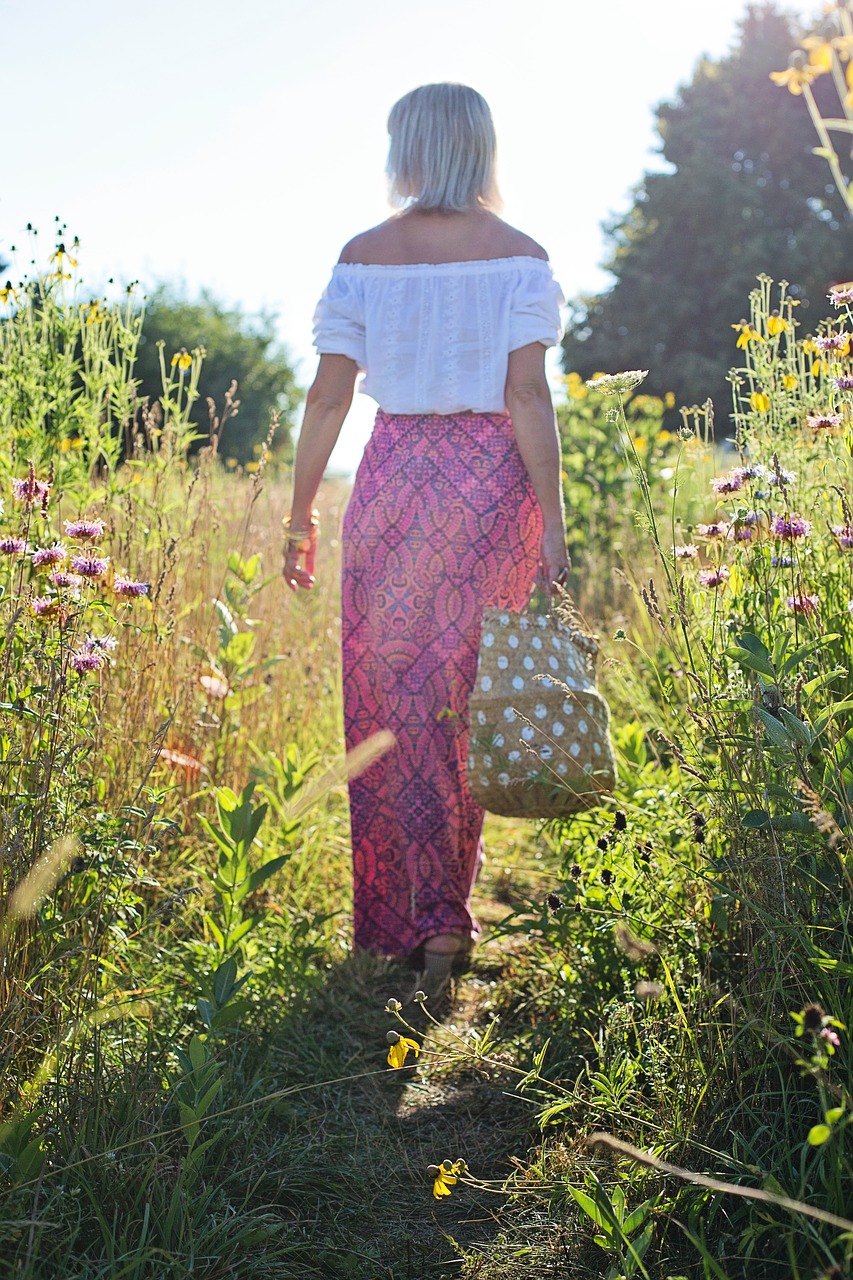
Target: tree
(236, 346)
(747, 195)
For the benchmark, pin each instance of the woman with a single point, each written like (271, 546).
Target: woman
(456, 505)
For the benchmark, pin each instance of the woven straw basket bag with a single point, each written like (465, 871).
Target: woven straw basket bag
(539, 730)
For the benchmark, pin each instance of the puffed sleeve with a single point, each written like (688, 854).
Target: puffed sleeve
(339, 318)
(535, 308)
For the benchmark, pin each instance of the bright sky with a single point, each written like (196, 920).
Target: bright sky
(238, 144)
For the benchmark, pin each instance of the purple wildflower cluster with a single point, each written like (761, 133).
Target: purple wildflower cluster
(716, 577)
(832, 341)
(825, 421)
(843, 534)
(789, 527)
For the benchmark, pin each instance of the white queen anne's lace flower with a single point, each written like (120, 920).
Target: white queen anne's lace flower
(611, 384)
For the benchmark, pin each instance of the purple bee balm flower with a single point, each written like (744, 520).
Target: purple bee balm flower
(718, 529)
(831, 341)
(86, 529)
(130, 587)
(743, 532)
(804, 604)
(824, 421)
(844, 383)
(843, 534)
(782, 562)
(98, 644)
(713, 577)
(30, 491)
(753, 472)
(12, 546)
(685, 551)
(49, 555)
(47, 608)
(729, 483)
(790, 527)
(59, 578)
(781, 476)
(83, 662)
(840, 294)
(88, 565)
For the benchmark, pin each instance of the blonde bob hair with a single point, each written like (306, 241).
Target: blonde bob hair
(443, 148)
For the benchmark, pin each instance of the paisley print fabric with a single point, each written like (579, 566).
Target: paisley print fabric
(442, 524)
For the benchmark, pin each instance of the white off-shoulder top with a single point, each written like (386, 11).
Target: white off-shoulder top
(436, 337)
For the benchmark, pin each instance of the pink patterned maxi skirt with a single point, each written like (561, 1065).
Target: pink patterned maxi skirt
(442, 523)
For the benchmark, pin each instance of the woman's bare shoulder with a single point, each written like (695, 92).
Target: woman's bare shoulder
(518, 244)
(367, 246)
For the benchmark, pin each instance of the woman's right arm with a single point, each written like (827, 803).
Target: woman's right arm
(528, 399)
(326, 406)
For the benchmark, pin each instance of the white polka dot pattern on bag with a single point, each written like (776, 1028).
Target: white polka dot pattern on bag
(514, 707)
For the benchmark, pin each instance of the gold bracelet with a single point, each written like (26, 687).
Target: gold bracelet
(301, 539)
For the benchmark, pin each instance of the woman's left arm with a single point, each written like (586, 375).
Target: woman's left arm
(326, 406)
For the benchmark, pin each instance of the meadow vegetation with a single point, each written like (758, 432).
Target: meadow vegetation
(647, 1071)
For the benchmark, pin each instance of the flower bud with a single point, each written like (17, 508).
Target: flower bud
(392, 1037)
(432, 1170)
(393, 1006)
(419, 997)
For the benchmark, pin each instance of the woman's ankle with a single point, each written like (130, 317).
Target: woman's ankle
(446, 944)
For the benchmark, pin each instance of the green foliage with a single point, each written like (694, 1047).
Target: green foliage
(744, 191)
(236, 347)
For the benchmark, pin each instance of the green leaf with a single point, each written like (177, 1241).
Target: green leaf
(797, 729)
(238, 649)
(753, 653)
(776, 732)
(224, 979)
(257, 878)
(818, 1134)
(794, 659)
(590, 1208)
(755, 819)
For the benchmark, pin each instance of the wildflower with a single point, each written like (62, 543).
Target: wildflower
(803, 604)
(8, 292)
(782, 562)
(729, 483)
(741, 532)
(85, 529)
(717, 529)
(620, 820)
(832, 1036)
(88, 565)
(833, 342)
(399, 1048)
(99, 644)
(393, 1006)
(602, 843)
(649, 991)
(46, 608)
(790, 527)
(713, 577)
(776, 324)
(746, 334)
(780, 476)
(29, 490)
(841, 294)
(59, 256)
(84, 662)
(797, 74)
(607, 877)
(636, 949)
(130, 587)
(844, 383)
(182, 359)
(759, 401)
(12, 546)
(685, 551)
(699, 828)
(789, 382)
(820, 53)
(824, 421)
(755, 471)
(445, 1176)
(843, 534)
(575, 871)
(49, 555)
(612, 383)
(555, 902)
(419, 997)
(59, 578)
